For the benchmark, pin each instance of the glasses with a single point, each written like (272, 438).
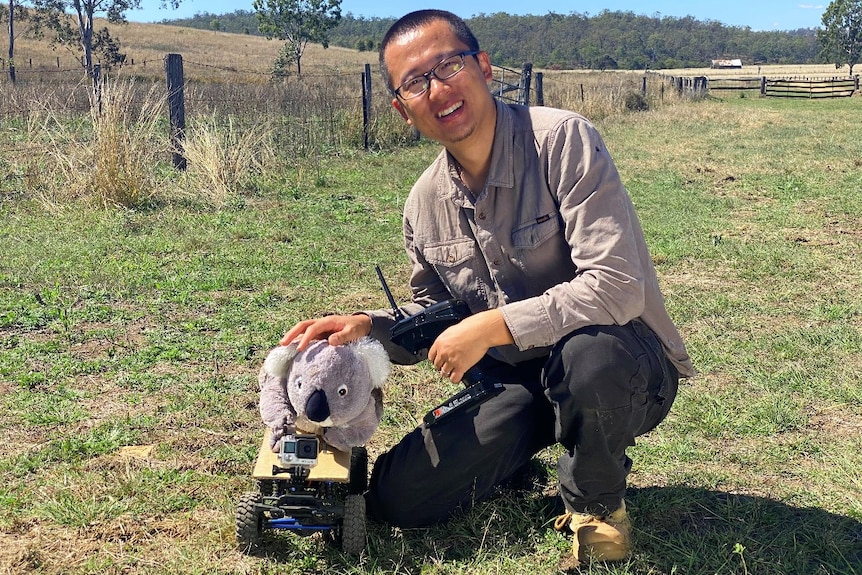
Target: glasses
(445, 69)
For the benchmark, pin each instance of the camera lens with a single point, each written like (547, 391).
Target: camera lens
(307, 448)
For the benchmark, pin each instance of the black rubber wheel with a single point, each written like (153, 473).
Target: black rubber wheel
(353, 525)
(249, 521)
(358, 471)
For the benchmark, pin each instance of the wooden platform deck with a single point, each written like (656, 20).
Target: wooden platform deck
(331, 465)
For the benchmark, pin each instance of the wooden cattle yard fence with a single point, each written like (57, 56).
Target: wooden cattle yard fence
(833, 88)
(789, 87)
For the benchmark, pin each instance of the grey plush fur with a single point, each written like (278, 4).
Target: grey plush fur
(333, 391)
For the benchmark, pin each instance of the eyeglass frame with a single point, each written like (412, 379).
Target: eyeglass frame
(433, 72)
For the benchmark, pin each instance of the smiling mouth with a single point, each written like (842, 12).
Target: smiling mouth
(450, 110)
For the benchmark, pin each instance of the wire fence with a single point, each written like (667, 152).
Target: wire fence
(320, 110)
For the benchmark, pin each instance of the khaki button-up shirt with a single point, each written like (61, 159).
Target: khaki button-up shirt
(553, 240)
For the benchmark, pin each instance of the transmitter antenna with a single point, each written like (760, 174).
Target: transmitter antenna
(398, 315)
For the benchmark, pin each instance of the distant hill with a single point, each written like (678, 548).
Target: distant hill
(609, 40)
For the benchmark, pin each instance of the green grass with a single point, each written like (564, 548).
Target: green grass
(146, 327)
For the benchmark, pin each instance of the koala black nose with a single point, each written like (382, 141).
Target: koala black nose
(317, 408)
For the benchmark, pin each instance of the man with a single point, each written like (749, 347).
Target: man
(522, 216)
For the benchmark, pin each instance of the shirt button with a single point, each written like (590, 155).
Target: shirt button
(481, 215)
(496, 262)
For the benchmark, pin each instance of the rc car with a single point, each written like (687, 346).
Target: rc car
(306, 487)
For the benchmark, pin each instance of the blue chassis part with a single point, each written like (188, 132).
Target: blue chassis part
(292, 524)
(296, 510)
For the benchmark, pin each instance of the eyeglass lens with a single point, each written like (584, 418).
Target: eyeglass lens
(442, 71)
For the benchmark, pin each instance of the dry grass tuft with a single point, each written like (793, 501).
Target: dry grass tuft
(223, 158)
(599, 95)
(125, 145)
(107, 162)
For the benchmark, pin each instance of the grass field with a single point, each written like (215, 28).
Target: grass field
(130, 340)
(218, 54)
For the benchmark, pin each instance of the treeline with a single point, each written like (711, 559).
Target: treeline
(609, 40)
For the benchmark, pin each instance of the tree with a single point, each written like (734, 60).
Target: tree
(297, 22)
(14, 15)
(841, 36)
(285, 59)
(80, 32)
(12, 7)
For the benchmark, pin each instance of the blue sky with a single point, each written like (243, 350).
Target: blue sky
(756, 14)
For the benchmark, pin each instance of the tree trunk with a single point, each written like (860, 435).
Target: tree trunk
(298, 49)
(12, 40)
(85, 27)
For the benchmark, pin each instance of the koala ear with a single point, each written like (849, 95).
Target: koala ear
(279, 361)
(375, 357)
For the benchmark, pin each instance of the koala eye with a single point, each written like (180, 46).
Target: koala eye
(342, 391)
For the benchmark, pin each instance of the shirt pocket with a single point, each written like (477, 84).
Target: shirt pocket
(536, 232)
(455, 264)
(450, 254)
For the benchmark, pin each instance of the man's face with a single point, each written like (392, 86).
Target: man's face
(450, 111)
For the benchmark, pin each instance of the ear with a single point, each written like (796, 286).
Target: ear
(485, 65)
(396, 103)
(279, 361)
(375, 357)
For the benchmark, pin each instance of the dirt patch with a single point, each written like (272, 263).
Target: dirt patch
(839, 421)
(124, 544)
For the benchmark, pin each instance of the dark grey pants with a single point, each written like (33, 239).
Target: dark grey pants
(601, 387)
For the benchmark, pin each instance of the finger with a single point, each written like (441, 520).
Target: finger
(295, 331)
(340, 337)
(314, 329)
(451, 374)
(310, 335)
(350, 330)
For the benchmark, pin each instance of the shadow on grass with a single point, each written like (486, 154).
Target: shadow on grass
(678, 529)
(690, 530)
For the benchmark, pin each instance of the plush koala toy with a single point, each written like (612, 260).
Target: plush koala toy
(333, 391)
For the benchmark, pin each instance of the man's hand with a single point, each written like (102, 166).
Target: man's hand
(336, 329)
(461, 346)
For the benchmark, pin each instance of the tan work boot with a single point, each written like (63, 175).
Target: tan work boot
(598, 538)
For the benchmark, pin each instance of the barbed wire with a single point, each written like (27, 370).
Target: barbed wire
(50, 69)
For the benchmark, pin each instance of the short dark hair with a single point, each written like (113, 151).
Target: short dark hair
(418, 19)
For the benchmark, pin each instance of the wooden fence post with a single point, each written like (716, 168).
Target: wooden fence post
(524, 88)
(97, 87)
(176, 107)
(540, 90)
(366, 104)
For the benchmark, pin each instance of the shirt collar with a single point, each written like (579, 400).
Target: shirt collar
(501, 173)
